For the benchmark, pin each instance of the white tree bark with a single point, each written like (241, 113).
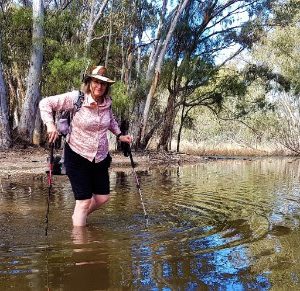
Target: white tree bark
(37, 132)
(28, 115)
(94, 19)
(5, 133)
(158, 66)
(123, 58)
(110, 35)
(139, 58)
(157, 43)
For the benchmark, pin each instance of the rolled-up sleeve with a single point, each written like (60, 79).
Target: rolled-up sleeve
(56, 103)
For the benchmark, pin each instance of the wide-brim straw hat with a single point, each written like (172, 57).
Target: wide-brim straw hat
(99, 73)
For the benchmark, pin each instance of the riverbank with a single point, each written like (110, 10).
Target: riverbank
(32, 161)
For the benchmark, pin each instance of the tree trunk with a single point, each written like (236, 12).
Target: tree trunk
(129, 57)
(122, 58)
(140, 142)
(20, 88)
(168, 124)
(128, 68)
(5, 132)
(158, 68)
(180, 128)
(157, 43)
(139, 59)
(37, 133)
(110, 35)
(28, 115)
(184, 115)
(92, 23)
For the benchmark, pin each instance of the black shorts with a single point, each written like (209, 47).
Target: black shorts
(87, 178)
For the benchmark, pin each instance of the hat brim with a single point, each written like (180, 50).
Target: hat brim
(102, 78)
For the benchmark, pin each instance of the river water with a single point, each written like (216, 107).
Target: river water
(220, 225)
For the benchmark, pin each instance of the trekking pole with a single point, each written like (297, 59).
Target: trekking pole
(50, 162)
(137, 183)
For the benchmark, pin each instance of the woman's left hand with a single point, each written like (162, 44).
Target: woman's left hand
(125, 138)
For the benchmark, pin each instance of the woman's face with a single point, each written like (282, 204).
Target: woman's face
(98, 88)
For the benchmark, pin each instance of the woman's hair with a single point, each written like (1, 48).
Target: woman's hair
(86, 87)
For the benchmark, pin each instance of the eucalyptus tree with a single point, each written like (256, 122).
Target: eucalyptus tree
(28, 115)
(278, 53)
(16, 43)
(197, 40)
(5, 131)
(278, 50)
(156, 62)
(95, 14)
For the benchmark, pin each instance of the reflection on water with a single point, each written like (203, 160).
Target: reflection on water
(228, 225)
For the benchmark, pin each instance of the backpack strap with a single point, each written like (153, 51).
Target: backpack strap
(79, 101)
(77, 106)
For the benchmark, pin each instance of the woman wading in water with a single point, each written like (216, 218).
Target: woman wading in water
(86, 155)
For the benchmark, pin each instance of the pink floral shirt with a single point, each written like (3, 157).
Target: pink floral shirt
(89, 126)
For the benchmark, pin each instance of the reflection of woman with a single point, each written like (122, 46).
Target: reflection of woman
(86, 152)
(89, 260)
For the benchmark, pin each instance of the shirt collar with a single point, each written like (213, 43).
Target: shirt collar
(90, 102)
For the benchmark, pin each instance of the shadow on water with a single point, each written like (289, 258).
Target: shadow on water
(230, 225)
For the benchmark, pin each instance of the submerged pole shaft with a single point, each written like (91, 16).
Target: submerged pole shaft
(138, 185)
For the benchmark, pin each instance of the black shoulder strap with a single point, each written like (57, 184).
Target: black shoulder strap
(77, 106)
(78, 103)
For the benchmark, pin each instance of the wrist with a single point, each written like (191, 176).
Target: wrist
(118, 136)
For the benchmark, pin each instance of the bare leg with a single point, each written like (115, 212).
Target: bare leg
(79, 235)
(81, 212)
(96, 202)
(84, 207)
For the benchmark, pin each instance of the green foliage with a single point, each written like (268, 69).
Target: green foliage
(250, 33)
(61, 36)
(270, 79)
(189, 69)
(286, 12)
(62, 27)
(279, 72)
(259, 127)
(189, 123)
(63, 75)
(279, 50)
(231, 83)
(121, 101)
(63, 53)
(15, 26)
(226, 86)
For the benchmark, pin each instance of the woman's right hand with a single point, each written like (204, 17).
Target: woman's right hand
(52, 132)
